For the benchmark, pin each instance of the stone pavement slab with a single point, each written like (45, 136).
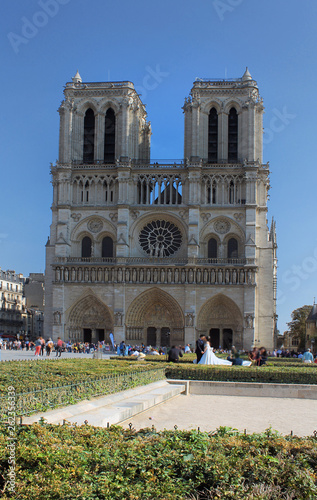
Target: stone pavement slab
(250, 413)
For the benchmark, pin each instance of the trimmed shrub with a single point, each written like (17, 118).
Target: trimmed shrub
(91, 463)
(263, 374)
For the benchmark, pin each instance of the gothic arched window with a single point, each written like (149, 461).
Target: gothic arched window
(213, 136)
(107, 247)
(89, 136)
(232, 248)
(86, 247)
(110, 136)
(212, 248)
(233, 135)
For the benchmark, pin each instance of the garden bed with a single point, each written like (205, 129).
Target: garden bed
(90, 463)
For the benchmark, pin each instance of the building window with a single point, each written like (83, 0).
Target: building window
(86, 247)
(110, 136)
(213, 136)
(89, 136)
(295, 342)
(212, 248)
(107, 247)
(232, 248)
(233, 135)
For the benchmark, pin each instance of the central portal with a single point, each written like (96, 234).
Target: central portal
(156, 319)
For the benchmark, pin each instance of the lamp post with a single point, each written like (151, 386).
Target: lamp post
(167, 335)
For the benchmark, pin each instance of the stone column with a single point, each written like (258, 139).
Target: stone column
(158, 341)
(100, 136)
(94, 336)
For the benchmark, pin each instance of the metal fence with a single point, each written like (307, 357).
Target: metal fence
(47, 398)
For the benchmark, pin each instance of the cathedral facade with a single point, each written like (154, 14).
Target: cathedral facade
(161, 252)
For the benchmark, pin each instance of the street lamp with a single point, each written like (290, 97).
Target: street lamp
(167, 335)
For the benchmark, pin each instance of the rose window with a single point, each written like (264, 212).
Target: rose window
(160, 238)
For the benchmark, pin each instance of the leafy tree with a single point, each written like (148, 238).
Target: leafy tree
(297, 327)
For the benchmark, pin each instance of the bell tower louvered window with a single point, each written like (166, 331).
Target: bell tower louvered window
(233, 135)
(213, 136)
(110, 136)
(89, 136)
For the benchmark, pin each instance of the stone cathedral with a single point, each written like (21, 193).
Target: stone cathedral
(160, 252)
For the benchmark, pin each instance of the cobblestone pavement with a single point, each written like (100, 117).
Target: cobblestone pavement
(251, 413)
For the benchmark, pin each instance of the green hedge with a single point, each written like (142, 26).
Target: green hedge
(38, 374)
(263, 374)
(91, 463)
(189, 358)
(76, 381)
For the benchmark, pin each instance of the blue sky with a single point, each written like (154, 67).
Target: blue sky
(44, 42)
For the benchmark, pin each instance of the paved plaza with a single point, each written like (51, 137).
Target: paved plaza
(250, 413)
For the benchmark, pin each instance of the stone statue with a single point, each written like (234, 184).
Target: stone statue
(198, 276)
(155, 276)
(162, 276)
(234, 277)
(169, 276)
(176, 276)
(213, 276)
(141, 276)
(220, 277)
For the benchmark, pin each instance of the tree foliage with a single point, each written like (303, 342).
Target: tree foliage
(297, 327)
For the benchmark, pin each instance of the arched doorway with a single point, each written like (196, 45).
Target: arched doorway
(221, 318)
(89, 320)
(156, 319)
(214, 334)
(151, 336)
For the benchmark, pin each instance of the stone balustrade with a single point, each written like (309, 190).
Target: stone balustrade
(156, 275)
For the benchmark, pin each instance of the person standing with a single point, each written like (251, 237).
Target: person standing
(49, 347)
(38, 344)
(59, 346)
(308, 357)
(200, 347)
(42, 346)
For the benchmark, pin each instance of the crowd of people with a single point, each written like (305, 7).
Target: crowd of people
(203, 349)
